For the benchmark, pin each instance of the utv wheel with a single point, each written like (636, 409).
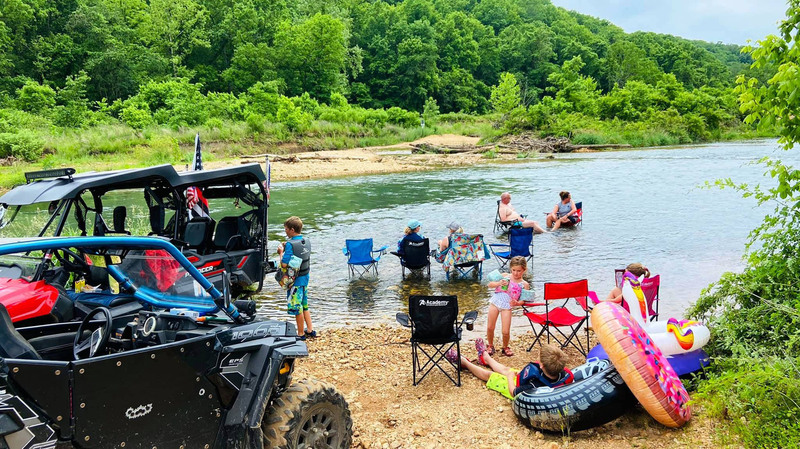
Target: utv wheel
(309, 414)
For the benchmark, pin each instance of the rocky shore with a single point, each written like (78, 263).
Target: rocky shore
(372, 368)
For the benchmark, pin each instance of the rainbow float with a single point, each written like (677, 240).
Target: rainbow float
(672, 336)
(641, 364)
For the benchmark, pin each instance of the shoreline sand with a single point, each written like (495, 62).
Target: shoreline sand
(370, 160)
(371, 367)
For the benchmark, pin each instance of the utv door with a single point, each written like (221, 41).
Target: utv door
(157, 397)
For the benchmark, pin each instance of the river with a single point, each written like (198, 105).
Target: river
(643, 205)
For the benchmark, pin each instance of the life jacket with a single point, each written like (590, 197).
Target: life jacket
(532, 377)
(302, 248)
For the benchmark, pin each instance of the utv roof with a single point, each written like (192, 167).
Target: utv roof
(55, 189)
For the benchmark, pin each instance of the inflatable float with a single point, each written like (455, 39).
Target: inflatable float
(672, 336)
(641, 364)
(682, 364)
(596, 396)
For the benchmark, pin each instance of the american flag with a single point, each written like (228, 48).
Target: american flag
(195, 201)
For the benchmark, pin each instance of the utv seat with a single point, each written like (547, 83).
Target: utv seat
(229, 236)
(12, 344)
(198, 233)
(120, 215)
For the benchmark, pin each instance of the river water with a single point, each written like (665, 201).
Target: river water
(639, 206)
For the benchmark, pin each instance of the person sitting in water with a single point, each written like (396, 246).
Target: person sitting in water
(507, 213)
(563, 212)
(550, 371)
(445, 243)
(637, 270)
(411, 235)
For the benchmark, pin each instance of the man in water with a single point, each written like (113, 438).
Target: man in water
(507, 213)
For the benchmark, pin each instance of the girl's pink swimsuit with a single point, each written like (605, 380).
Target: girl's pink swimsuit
(502, 298)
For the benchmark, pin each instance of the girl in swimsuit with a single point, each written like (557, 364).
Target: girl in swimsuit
(505, 297)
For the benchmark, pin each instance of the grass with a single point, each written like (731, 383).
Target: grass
(117, 146)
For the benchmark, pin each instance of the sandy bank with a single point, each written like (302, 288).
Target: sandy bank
(368, 160)
(372, 368)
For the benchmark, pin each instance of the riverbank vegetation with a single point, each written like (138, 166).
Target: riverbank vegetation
(120, 83)
(754, 384)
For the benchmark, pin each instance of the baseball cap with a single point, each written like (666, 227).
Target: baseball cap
(414, 224)
(454, 226)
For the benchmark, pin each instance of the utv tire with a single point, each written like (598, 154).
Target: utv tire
(309, 414)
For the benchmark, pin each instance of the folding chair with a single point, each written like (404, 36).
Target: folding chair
(501, 227)
(619, 273)
(465, 256)
(434, 331)
(650, 289)
(360, 256)
(520, 243)
(560, 316)
(416, 257)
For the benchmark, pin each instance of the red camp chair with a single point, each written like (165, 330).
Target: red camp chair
(560, 316)
(650, 289)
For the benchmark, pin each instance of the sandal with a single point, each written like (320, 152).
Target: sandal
(490, 350)
(480, 346)
(508, 352)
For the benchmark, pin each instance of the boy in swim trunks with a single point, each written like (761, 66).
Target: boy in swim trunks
(297, 296)
(550, 371)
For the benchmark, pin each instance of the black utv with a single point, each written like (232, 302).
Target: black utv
(175, 371)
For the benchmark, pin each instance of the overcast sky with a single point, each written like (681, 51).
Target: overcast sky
(727, 21)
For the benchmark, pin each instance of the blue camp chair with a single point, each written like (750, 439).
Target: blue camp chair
(520, 243)
(464, 256)
(416, 257)
(360, 256)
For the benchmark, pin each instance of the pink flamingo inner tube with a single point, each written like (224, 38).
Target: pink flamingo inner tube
(641, 364)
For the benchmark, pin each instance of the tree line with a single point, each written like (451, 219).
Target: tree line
(77, 63)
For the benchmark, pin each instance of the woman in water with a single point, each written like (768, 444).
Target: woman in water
(563, 212)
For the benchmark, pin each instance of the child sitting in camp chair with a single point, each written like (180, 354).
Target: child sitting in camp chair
(550, 371)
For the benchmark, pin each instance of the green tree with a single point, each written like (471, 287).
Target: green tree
(755, 314)
(569, 85)
(313, 56)
(176, 28)
(505, 96)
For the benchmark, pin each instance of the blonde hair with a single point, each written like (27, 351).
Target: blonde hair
(518, 261)
(638, 269)
(294, 223)
(552, 359)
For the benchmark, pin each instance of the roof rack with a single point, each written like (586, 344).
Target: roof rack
(53, 173)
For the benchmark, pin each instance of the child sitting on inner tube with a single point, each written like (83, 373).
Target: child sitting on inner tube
(550, 371)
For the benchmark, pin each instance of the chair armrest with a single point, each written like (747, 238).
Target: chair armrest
(344, 251)
(403, 319)
(533, 304)
(593, 298)
(470, 317)
(500, 245)
(381, 250)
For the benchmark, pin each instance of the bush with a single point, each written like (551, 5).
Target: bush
(402, 117)
(34, 97)
(255, 123)
(23, 146)
(758, 398)
(290, 115)
(136, 117)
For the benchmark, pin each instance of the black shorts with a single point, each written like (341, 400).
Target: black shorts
(573, 219)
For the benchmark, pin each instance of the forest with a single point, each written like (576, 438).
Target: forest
(93, 78)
